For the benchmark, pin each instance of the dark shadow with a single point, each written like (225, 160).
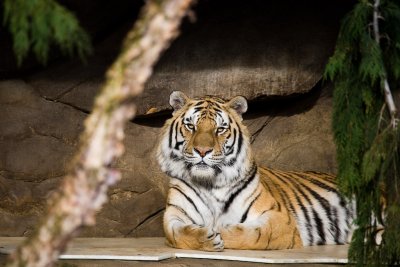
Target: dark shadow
(247, 33)
(154, 120)
(263, 106)
(288, 105)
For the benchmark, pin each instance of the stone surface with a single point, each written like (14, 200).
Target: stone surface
(155, 249)
(269, 51)
(177, 262)
(224, 56)
(295, 134)
(38, 138)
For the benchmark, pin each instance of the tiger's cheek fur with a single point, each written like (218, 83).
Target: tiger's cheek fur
(169, 153)
(222, 140)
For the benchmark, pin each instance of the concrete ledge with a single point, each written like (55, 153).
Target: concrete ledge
(154, 249)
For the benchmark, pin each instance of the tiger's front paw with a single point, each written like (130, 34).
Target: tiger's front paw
(199, 237)
(213, 242)
(239, 237)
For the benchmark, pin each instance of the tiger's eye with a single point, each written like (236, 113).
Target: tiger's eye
(220, 130)
(189, 126)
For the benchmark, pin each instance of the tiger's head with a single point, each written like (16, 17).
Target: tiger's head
(205, 141)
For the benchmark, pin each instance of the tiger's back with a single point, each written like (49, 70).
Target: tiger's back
(322, 215)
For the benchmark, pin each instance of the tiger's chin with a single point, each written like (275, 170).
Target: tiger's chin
(203, 175)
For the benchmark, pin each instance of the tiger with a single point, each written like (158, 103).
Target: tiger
(218, 196)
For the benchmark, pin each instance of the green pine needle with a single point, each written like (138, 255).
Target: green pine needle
(38, 25)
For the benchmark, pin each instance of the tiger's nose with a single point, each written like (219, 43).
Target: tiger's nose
(203, 151)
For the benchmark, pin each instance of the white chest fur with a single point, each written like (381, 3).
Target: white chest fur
(213, 207)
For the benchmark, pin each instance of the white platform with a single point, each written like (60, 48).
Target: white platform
(154, 249)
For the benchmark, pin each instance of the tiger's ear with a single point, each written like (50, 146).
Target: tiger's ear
(239, 104)
(177, 100)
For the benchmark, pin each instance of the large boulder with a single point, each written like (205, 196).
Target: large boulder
(270, 51)
(258, 56)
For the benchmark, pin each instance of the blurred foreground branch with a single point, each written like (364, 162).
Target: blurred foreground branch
(84, 189)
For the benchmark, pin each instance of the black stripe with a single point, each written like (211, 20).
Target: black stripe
(239, 147)
(279, 206)
(218, 113)
(259, 235)
(182, 211)
(322, 201)
(336, 225)
(244, 216)
(280, 188)
(188, 185)
(239, 183)
(318, 183)
(234, 139)
(199, 103)
(188, 199)
(326, 177)
(218, 101)
(195, 191)
(217, 171)
(217, 109)
(284, 198)
(229, 148)
(342, 202)
(174, 157)
(176, 132)
(240, 142)
(326, 206)
(348, 208)
(237, 192)
(300, 204)
(178, 144)
(171, 127)
(320, 228)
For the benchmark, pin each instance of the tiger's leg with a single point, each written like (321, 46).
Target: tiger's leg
(187, 235)
(274, 231)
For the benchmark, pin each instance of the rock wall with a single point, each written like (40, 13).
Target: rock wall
(38, 138)
(243, 51)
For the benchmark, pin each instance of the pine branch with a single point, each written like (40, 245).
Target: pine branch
(37, 25)
(386, 88)
(84, 190)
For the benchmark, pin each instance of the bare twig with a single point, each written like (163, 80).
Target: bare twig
(376, 21)
(84, 190)
(381, 118)
(385, 84)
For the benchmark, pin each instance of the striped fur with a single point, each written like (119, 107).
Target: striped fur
(219, 198)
